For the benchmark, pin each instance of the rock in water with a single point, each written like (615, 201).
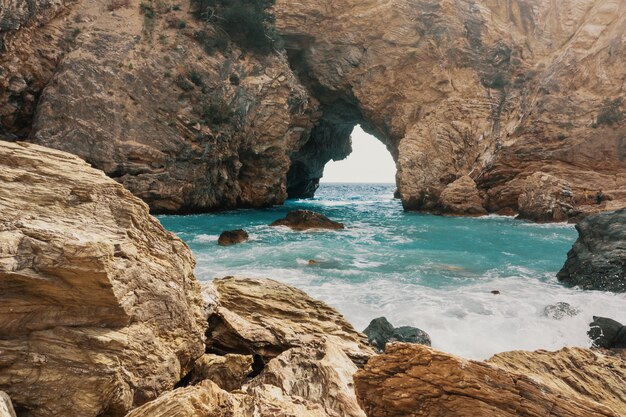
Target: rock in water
(597, 261)
(232, 237)
(415, 380)
(6, 407)
(307, 219)
(461, 197)
(607, 333)
(380, 331)
(99, 307)
(559, 310)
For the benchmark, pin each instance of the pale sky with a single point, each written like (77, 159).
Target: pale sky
(370, 161)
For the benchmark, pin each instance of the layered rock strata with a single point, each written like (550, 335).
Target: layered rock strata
(99, 307)
(597, 261)
(414, 380)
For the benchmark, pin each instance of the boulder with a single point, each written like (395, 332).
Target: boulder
(560, 310)
(607, 333)
(232, 237)
(415, 380)
(545, 198)
(307, 219)
(228, 372)
(461, 197)
(99, 307)
(379, 332)
(597, 261)
(6, 407)
(265, 318)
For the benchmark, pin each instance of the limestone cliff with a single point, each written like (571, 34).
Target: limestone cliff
(524, 98)
(99, 308)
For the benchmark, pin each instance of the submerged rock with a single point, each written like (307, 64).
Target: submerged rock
(607, 333)
(380, 332)
(232, 237)
(412, 380)
(597, 261)
(560, 310)
(307, 219)
(99, 307)
(6, 407)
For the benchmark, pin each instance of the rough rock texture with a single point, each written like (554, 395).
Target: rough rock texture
(461, 197)
(598, 258)
(99, 307)
(560, 310)
(307, 219)
(494, 90)
(498, 92)
(6, 407)
(232, 237)
(228, 372)
(265, 318)
(380, 332)
(414, 380)
(607, 333)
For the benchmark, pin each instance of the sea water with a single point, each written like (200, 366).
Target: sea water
(436, 273)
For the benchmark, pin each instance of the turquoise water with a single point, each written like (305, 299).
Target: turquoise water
(433, 272)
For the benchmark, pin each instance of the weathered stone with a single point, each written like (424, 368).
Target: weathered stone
(379, 332)
(265, 318)
(232, 237)
(307, 219)
(560, 310)
(6, 407)
(99, 307)
(597, 261)
(461, 197)
(607, 333)
(545, 198)
(415, 380)
(229, 372)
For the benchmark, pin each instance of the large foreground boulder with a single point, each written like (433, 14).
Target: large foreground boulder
(99, 308)
(415, 380)
(597, 261)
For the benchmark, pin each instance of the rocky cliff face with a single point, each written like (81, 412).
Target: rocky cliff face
(524, 98)
(99, 307)
(414, 380)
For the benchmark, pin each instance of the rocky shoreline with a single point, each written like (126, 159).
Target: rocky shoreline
(101, 315)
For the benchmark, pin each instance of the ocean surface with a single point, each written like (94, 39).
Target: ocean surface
(435, 273)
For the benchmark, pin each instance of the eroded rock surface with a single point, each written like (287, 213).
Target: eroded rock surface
(414, 380)
(307, 219)
(6, 407)
(379, 332)
(461, 197)
(99, 307)
(229, 371)
(597, 261)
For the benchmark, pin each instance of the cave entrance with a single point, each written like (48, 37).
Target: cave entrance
(369, 162)
(339, 153)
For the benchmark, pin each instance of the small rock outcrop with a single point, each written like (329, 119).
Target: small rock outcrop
(379, 332)
(607, 333)
(99, 307)
(228, 372)
(232, 237)
(306, 219)
(461, 197)
(597, 261)
(6, 407)
(415, 380)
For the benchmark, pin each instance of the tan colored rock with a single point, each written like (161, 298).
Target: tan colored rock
(266, 317)
(228, 372)
(6, 407)
(545, 198)
(414, 380)
(99, 307)
(319, 372)
(461, 197)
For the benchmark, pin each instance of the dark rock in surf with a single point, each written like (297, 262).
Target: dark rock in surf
(307, 219)
(607, 333)
(232, 237)
(559, 310)
(597, 261)
(379, 332)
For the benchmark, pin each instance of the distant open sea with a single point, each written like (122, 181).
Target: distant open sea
(432, 272)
